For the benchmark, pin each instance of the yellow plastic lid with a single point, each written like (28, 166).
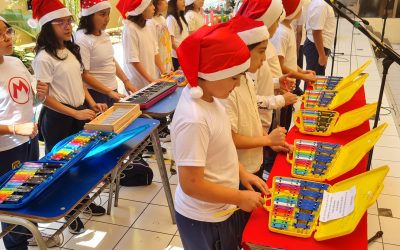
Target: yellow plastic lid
(352, 76)
(351, 154)
(368, 187)
(346, 93)
(355, 117)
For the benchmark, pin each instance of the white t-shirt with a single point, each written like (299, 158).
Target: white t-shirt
(302, 20)
(175, 31)
(194, 19)
(16, 99)
(273, 61)
(241, 106)
(284, 41)
(139, 45)
(64, 76)
(201, 137)
(160, 29)
(267, 101)
(320, 16)
(98, 57)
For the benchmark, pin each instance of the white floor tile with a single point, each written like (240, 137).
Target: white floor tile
(156, 172)
(100, 236)
(385, 153)
(142, 193)
(176, 242)
(390, 228)
(124, 215)
(391, 186)
(391, 247)
(161, 199)
(373, 226)
(390, 141)
(390, 202)
(174, 179)
(156, 218)
(140, 239)
(376, 245)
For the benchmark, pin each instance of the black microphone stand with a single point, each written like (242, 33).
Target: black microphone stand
(341, 5)
(390, 57)
(384, 20)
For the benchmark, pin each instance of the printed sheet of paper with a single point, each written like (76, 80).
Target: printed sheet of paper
(337, 205)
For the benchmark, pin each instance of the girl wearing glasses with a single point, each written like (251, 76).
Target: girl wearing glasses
(58, 63)
(18, 129)
(98, 54)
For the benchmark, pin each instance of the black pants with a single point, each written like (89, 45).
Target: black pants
(175, 63)
(300, 63)
(101, 98)
(200, 235)
(10, 159)
(312, 56)
(55, 126)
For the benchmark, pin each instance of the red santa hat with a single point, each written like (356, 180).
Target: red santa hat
(188, 2)
(267, 11)
(89, 7)
(44, 11)
(212, 53)
(132, 7)
(292, 7)
(249, 30)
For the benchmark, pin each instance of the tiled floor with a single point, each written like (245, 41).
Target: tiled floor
(142, 220)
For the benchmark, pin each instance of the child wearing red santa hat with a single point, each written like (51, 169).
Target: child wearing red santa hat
(141, 57)
(206, 157)
(58, 64)
(97, 53)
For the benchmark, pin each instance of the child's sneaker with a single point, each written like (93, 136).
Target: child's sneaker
(95, 210)
(76, 227)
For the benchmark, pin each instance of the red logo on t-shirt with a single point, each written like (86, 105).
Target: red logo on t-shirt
(19, 90)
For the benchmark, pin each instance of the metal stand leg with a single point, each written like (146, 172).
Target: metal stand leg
(111, 190)
(163, 172)
(28, 225)
(117, 188)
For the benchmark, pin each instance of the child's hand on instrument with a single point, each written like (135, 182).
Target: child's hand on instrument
(25, 129)
(249, 180)
(249, 200)
(115, 95)
(286, 83)
(277, 137)
(84, 115)
(130, 88)
(286, 148)
(309, 77)
(100, 107)
(42, 90)
(290, 98)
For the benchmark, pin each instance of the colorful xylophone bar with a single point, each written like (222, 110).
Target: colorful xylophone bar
(327, 82)
(316, 120)
(318, 98)
(296, 204)
(313, 158)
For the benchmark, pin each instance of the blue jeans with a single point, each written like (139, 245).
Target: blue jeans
(22, 153)
(311, 53)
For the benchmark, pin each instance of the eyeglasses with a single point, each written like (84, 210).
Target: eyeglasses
(10, 33)
(64, 23)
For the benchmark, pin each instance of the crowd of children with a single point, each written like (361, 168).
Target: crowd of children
(229, 122)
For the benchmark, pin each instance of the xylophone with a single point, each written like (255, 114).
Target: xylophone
(295, 206)
(151, 94)
(77, 144)
(26, 179)
(116, 118)
(318, 98)
(326, 82)
(320, 161)
(312, 159)
(23, 184)
(317, 122)
(176, 76)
